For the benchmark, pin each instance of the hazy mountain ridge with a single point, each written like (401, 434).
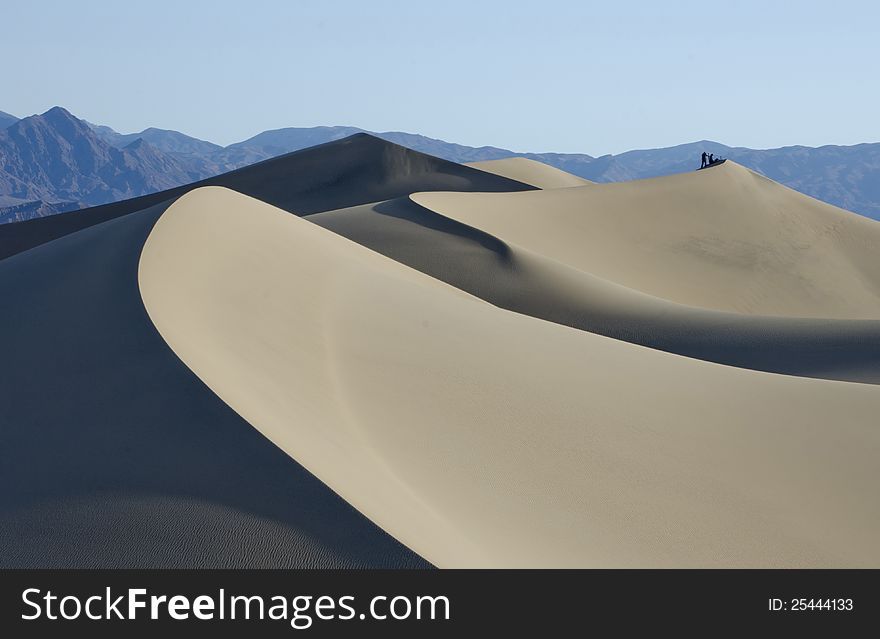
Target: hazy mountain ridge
(56, 158)
(6, 119)
(846, 176)
(163, 139)
(54, 162)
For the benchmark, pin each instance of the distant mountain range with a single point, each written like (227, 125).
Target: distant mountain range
(55, 162)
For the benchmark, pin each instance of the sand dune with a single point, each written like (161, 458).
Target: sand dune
(725, 239)
(355, 170)
(537, 174)
(395, 375)
(519, 280)
(115, 455)
(481, 437)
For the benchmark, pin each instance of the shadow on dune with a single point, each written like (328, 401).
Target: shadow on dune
(521, 281)
(406, 210)
(114, 454)
(355, 170)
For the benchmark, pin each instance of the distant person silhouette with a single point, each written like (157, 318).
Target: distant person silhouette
(703, 160)
(711, 158)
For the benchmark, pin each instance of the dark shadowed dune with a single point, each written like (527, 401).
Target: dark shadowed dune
(355, 170)
(521, 281)
(113, 454)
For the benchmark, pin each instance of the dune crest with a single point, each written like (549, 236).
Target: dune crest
(726, 239)
(532, 172)
(115, 455)
(354, 170)
(517, 279)
(481, 437)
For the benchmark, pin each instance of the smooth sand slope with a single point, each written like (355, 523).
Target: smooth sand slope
(355, 170)
(113, 454)
(724, 238)
(519, 280)
(537, 174)
(481, 437)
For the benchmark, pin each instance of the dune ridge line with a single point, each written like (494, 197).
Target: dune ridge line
(481, 437)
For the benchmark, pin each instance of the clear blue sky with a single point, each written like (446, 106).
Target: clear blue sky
(577, 76)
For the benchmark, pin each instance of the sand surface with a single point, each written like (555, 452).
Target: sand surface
(114, 455)
(726, 239)
(537, 174)
(520, 280)
(477, 436)
(357, 355)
